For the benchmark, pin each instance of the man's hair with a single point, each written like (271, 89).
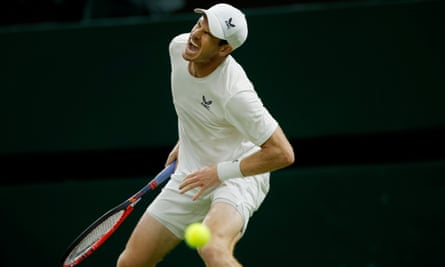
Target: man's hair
(223, 42)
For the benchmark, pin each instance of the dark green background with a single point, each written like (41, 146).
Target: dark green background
(365, 215)
(371, 68)
(323, 71)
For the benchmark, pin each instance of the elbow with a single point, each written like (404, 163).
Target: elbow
(287, 157)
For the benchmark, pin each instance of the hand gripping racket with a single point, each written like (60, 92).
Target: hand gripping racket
(101, 229)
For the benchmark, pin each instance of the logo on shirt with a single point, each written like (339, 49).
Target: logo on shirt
(206, 103)
(229, 24)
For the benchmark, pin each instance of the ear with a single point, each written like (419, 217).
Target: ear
(225, 49)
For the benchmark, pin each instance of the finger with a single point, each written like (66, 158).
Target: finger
(185, 189)
(187, 181)
(199, 194)
(190, 186)
(170, 159)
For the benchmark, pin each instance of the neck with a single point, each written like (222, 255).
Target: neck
(202, 69)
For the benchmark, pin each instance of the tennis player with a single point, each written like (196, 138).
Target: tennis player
(228, 145)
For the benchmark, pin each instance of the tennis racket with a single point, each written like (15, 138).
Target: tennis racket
(101, 229)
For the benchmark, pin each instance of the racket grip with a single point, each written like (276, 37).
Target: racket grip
(165, 173)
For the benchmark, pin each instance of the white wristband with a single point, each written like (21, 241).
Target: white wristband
(228, 170)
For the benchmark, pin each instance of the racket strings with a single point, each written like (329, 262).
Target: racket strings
(96, 234)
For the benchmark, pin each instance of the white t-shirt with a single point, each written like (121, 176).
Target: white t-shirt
(220, 116)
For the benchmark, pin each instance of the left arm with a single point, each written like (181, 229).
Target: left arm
(276, 153)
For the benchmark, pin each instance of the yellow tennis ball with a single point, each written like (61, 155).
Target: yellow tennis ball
(197, 235)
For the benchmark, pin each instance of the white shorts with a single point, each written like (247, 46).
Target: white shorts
(176, 211)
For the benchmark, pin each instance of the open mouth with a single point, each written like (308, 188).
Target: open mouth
(193, 46)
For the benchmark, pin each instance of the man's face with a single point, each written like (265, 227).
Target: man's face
(202, 45)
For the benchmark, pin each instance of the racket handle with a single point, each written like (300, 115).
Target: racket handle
(165, 173)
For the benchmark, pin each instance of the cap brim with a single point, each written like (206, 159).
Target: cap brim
(199, 10)
(214, 25)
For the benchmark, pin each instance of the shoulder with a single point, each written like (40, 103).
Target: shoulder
(235, 68)
(179, 41)
(177, 45)
(237, 77)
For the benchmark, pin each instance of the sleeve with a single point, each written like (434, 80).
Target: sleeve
(176, 46)
(246, 112)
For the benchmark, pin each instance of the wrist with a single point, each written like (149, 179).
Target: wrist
(229, 169)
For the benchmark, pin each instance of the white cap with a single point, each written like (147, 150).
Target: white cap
(227, 23)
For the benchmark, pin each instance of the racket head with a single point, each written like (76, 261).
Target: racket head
(101, 229)
(96, 234)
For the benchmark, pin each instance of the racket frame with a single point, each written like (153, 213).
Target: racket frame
(127, 206)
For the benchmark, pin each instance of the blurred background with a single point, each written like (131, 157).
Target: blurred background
(358, 87)
(28, 11)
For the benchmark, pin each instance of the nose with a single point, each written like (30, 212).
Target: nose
(195, 34)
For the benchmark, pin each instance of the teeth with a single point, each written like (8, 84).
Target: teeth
(193, 43)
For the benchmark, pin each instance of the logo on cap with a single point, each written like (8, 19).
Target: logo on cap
(229, 23)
